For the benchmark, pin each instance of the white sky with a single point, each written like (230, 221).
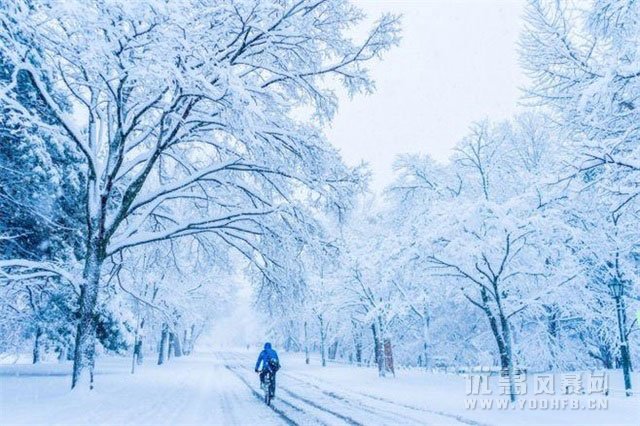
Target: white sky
(457, 63)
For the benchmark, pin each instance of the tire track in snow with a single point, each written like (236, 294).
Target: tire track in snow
(281, 413)
(332, 394)
(308, 418)
(321, 408)
(415, 415)
(392, 416)
(226, 357)
(346, 419)
(358, 414)
(457, 417)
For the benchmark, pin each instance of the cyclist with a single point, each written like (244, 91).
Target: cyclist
(270, 363)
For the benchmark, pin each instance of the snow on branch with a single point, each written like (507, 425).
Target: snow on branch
(230, 221)
(21, 269)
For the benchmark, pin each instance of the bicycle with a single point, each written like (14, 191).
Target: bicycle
(268, 386)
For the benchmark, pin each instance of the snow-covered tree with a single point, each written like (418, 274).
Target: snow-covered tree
(182, 115)
(481, 223)
(584, 64)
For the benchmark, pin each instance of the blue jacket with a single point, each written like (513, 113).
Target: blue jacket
(265, 356)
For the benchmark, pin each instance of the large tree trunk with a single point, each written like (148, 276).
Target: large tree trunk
(507, 357)
(502, 333)
(377, 350)
(388, 356)
(385, 348)
(185, 343)
(625, 354)
(170, 346)
(177, 347)
(323, 337)
(508, 348)
(358, 348)
(333, 350)
(163, 344)
(357, 343)
(37, 346)
(139, 352)
(84, 355)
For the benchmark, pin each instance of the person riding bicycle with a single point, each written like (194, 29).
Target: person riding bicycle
(270, 364)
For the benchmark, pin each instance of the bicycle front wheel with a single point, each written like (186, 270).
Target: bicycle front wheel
(267, 395)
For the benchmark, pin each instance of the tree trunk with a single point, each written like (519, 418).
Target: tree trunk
(322, 342)
(306, 344)
(171, 343)
(37, 356)
(625, 355)
(185, 346)
(163, 343)
(388, 356)
(507, 357)
(135, 345)
(552, 330)
(139, 349)
(177, 347)
(192, 338)
(502, 336)
(85, 350)
(377, 350)
(507, 354)
(357, 343)
(139, 353)
(333, 350)
(62, 356)
(425, 339)
(606, 356)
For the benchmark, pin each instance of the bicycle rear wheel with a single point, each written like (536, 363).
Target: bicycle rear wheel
(267, 390)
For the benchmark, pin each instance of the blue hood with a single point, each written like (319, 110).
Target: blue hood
(267, 345)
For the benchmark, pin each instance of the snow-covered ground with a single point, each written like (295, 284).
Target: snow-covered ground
(221, 388)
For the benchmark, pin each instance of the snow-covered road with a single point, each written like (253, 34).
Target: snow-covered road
(303, 401)
(195, 390)
(220, 388)
(217, 388)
